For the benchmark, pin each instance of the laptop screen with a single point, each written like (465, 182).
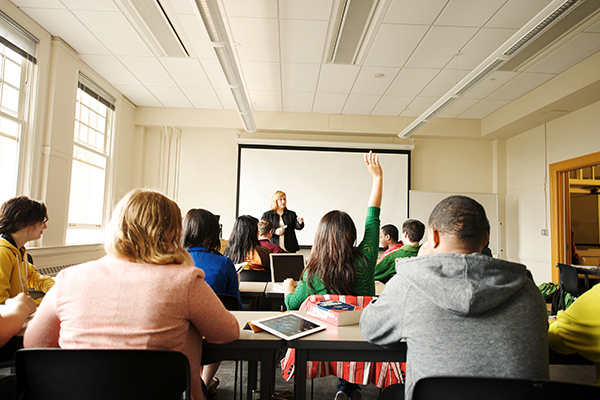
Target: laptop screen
(286, 265)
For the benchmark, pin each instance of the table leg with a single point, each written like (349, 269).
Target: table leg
(267, 374)
(251, 384)
(300, 375)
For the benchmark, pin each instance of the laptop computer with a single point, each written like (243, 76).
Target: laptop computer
(286, 265)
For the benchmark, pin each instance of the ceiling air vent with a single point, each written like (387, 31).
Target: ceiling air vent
(354, 26)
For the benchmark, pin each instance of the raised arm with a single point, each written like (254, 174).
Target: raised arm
(372, 162)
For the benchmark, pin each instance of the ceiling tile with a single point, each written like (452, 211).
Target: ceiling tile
(391, 105)
(63, 24)
(302, 41)
(262, 75)
(198, 36)
(484, 43)
(436, 49)
(329, 103)
(183, 7)
(298, 102)
(300, 77)
(215, 74)
(483, 108)
(121, 39)
(490, 84)
(520, 85)
(202, 98)
(577, 49)
(468, 12)
(170, 96)
(251, 8)
(367, 83)
(256, 39)
(419, 105)
(317, 10)
(516, 13)
(186, 72)
(263, 100)
(422, 12)
(443, 82)
(48, 4)
(226, 98)
(458, 107)
(97, 5)
(337, 78)
(411, 81)
(139, 95)
(394, 44)
(111, 69)
(594, 28)
(360, 104)
(148, 70)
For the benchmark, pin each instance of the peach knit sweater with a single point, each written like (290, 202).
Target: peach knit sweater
(114, 303)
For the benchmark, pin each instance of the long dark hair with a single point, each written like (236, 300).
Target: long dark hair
(21, 212)
(201, 228)
(333, 256)
(243, 239)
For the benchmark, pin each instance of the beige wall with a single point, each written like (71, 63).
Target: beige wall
(527, 200)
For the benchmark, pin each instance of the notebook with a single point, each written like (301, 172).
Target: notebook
(285, 265)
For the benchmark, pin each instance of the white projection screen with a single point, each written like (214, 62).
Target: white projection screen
(318, 180)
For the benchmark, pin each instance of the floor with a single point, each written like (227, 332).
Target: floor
(325, 388)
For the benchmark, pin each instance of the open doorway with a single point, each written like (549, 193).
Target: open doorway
(560, 202)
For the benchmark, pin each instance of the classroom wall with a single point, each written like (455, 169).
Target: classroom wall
(528, 156)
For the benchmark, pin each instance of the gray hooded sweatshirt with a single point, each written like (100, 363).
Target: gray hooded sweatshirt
(461, 315)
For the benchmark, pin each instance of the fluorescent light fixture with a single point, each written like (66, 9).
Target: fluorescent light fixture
(152, 22)
(213, 22)
(354, 28)
(536, 26)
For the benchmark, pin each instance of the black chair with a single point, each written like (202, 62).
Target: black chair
(249, 275)
(102, 374)
(569, 280)
(475, 388)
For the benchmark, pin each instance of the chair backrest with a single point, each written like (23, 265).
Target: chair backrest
(102, 374)
(471, 388)
(569, 279)
(229, 302)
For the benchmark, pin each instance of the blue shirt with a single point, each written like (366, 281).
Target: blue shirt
(219, 271)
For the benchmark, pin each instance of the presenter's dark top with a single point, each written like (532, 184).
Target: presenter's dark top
(291, 220)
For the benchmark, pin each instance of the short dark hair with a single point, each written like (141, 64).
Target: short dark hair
(21, 212)
(201, 228)
(460, 217)
(414, 228)
(391, 230)
(264, 227)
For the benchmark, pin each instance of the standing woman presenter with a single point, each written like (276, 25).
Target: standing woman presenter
(285, 223)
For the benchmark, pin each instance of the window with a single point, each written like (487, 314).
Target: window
(17, 49)
(91, 152)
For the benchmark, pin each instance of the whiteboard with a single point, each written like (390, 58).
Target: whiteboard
(423, 203)
(318, 180)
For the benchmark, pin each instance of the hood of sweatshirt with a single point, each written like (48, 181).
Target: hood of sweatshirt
(466, 284)
(8, 242)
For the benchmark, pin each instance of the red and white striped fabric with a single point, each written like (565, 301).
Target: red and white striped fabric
(382, 374)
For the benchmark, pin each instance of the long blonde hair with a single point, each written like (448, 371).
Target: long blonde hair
(146, 228)
(276, 196)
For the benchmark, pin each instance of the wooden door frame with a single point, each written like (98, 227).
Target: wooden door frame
(559, 205)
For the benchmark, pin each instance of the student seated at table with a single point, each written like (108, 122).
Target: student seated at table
(265, 232)
(577, 329)
(21, 220)
(244, 247)
(144, 294)
(412, 233)
(462, 313)
(201, 239)
(336, 266)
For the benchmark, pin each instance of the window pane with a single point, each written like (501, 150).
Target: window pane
(10, 128)
(87, 190)
(9, 151)
(76, 236)
(10, 99)
(12, 73)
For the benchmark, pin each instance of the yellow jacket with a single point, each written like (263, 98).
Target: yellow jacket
(17, 274)
(577, 330)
